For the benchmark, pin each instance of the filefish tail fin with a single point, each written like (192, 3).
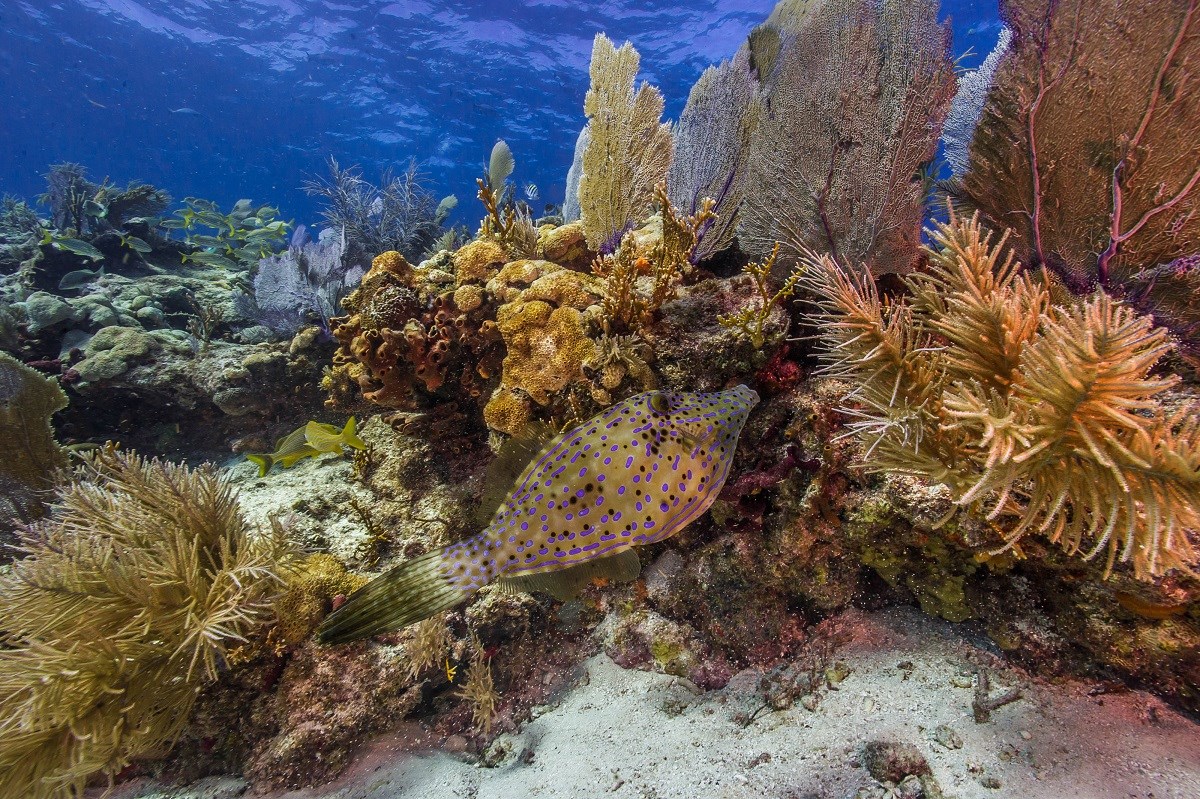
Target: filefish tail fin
(408, 593)
(264, 463)
(350, 435)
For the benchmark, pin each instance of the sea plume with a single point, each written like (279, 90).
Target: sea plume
(127, 599)
(1045, 419)
(628, 149)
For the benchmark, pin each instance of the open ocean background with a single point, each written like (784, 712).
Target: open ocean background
(224, 100)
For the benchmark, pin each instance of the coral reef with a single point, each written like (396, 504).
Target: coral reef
(1114, 206)
(978, 440)
(303, 285)
(628, 149)
(27, 401)
(399, 214)
(1117, 199)
(127, 600)
(712, 147)
(406, 337)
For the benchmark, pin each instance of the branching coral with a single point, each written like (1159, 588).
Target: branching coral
(749, 321)
(125, 603)
(666, 261)
(854, 101)
(1044, 418)
(628, 149)
(511, 226)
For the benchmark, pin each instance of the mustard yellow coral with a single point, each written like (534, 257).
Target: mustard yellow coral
(546, 347)
(507, 411)
(393, 263)
(477, 261)
(564, 244)
(564, 287)
(311, 586)
(515, 276)
(468, 297)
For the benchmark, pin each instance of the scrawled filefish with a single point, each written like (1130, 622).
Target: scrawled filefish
(635, 474)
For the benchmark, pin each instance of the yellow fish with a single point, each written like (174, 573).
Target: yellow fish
(309, 441)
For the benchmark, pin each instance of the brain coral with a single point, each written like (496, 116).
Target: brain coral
(549, 320)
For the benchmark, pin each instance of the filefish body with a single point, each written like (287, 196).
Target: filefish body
(637, 473)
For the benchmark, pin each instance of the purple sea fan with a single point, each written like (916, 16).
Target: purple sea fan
(304, 284)
(712, 145)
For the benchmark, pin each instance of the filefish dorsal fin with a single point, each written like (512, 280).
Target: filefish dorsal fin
(508, 464)
(565, 584)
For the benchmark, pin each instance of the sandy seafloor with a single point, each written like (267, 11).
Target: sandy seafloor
(633, 734)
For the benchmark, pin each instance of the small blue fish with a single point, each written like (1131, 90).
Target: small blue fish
(635, 474)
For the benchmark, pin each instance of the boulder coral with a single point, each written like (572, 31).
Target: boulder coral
(549, 322)
(406, 337)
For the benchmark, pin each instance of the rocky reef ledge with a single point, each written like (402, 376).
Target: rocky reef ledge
(889, 707)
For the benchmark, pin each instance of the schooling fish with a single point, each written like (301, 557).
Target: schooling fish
(308, 441)
(635, 474)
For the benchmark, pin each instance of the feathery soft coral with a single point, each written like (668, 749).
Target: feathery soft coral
(1046, 419)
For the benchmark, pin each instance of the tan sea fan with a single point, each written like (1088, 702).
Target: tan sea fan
(628, 149)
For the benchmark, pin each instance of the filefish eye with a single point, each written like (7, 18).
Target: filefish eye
(659, 403)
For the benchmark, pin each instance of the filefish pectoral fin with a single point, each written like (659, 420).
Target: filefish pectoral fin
(508, 464)
(566, 583)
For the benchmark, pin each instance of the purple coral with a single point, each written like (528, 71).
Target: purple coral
(304, 284)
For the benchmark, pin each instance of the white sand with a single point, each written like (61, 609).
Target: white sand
(650, 736)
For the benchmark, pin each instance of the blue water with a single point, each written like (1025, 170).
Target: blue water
(225, 100)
